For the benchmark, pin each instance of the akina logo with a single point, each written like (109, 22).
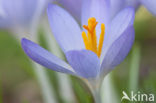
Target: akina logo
(140, 97)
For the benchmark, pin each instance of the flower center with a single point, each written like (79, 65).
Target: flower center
(90, 39)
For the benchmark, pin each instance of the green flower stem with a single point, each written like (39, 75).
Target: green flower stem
(97, 96)
(95, 87)
(134, 68)
(103, 91)
(108, 90)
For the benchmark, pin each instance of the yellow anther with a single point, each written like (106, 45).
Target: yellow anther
(90, 40)
(101, 40)
(85, 39)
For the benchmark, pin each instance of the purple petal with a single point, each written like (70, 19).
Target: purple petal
(150, 5)
(45, 58)
(65, 29)
(85, 63)
(118, 50)
(73, 6)
(119, 24)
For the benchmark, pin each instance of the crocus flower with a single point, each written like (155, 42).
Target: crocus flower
(93, 51)
(20, 13)
(117, 5)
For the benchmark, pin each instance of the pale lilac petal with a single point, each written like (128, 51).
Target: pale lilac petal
(65, 29)
(119, 24)
(72, 6)
(85, 63)
(118, 50)
(150, 5)
(45, 58)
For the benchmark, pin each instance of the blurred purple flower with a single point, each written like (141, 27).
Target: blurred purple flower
(85, 58)
(150, 5)
(117, 5)
(20, 13)
(72, 6)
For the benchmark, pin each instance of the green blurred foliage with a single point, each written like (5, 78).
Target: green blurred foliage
(14, 65)
(12, 56)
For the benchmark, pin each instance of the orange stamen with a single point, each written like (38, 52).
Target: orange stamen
(90, 40)
(84, 36)
(101, 40)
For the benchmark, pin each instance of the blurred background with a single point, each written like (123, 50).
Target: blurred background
(18, 83)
